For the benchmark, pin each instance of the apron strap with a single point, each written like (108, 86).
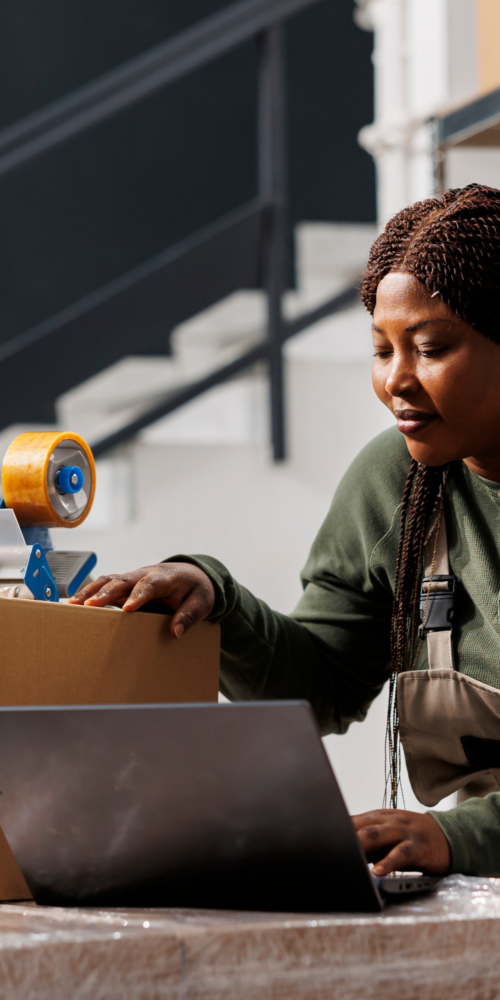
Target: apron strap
(440, 650)
(437, 597)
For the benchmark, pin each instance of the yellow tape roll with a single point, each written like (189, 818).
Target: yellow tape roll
(30, 479)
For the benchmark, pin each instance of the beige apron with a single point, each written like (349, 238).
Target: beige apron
(449, 723)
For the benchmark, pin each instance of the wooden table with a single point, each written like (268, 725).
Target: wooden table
(441, 947)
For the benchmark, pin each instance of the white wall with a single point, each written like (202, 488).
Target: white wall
(426, 62)
(463, 51)
(468, 165)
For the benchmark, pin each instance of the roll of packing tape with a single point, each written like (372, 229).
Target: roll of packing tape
(48, 479)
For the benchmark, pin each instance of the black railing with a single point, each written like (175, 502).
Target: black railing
(248, 248)
(141, 77)
(469, 123)
(185, 394)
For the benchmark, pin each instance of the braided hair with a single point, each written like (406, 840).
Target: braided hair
(452, 246)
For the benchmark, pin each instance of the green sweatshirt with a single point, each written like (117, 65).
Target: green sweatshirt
(333, 650)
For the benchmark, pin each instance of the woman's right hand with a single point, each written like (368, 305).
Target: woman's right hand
(182, 586)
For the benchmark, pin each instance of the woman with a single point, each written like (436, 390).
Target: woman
(403, 579)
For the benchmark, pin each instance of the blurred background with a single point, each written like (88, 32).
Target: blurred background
(188, 194)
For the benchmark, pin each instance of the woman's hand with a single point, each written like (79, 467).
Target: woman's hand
(398, 840)
(183, 587)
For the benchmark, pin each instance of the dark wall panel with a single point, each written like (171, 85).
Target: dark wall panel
(48, 47)
(114, 196)
(330, 99)
(85, 212)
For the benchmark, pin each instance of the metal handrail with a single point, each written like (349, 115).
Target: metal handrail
(105, 293)
(140, 77)
(471, 124)
(469, 120)
(177, 398)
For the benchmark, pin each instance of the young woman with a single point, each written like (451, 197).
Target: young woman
(403, 579)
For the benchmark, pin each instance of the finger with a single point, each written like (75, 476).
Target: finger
(404, 857)
(163, 583)
(192, 610)
(110, 593)
(145, 590)
(376, 841)
(89, 590)
(376, 816)
(381, 834)
(370, 838)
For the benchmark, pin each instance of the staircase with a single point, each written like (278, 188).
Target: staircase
(200, 480)
(117, 291)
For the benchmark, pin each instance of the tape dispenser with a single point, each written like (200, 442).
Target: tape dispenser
(48, 481)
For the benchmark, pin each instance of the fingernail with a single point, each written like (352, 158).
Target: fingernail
(179, 630)
(377, 870)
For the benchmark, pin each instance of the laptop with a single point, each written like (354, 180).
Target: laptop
(212, 806)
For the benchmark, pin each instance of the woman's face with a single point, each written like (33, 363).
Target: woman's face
(438, 376)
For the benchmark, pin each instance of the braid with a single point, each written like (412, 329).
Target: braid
(421, 491)
(452, 246)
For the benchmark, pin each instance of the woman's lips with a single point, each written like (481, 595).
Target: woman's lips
(413, 421)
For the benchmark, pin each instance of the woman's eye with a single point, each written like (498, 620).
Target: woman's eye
(382, 354)
(430, 352)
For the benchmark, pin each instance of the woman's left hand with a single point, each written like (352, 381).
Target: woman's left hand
(399, 840)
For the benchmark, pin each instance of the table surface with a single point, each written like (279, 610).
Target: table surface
(447, 941)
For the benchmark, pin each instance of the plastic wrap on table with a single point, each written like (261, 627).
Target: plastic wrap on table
(436, 946)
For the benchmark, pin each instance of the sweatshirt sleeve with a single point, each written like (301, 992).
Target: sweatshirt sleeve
(333, 650)
(473, 833)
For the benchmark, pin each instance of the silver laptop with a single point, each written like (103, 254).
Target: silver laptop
(218, 806)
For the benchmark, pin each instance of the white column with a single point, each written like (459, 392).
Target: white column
(386, 138)
(424, 62)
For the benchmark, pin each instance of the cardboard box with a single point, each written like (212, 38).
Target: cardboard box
(63, 654)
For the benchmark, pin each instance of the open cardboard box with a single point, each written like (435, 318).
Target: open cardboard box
(64, 654)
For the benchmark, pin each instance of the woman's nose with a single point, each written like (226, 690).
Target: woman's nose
(401, 379)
